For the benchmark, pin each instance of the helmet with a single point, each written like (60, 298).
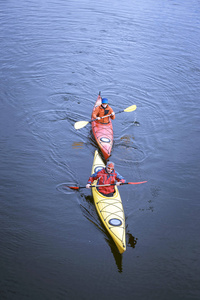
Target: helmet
(104, 100)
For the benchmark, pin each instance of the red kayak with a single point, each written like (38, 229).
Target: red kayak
(103, 133)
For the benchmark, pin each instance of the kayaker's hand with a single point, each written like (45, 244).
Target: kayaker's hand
(118, 183)
(88, 186)
(112, 114)
(98, 118)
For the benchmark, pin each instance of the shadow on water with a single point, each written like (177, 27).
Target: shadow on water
(91, 215)
(131, 240)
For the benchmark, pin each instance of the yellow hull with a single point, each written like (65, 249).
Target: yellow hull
(110, 209)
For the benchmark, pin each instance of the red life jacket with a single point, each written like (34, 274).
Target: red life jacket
(105, 178)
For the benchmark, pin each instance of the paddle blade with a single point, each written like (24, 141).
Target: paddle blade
(130, 108)
(80, 124)
(73, 187)
(136, 182)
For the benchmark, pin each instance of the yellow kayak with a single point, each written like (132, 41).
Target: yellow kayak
(110, 209)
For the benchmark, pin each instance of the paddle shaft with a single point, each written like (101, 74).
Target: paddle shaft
(82, 187)
(106, 116)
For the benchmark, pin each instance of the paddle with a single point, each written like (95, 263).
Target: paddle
(82, 187)
(81, 124)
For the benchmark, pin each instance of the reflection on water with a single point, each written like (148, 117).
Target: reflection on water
(131, 240)
(127, 139)
(77, 145)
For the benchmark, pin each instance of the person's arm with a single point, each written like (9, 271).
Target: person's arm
(95, 113)
(120, 179)
(91, 179)
(112, 113)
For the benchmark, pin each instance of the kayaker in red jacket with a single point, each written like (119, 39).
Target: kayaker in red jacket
(107, 175)
(103, 110)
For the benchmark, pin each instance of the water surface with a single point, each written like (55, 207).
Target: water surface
(55, 57)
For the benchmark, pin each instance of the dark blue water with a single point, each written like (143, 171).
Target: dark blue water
(55, 57)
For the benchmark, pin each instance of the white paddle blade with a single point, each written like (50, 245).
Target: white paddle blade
(80, 124)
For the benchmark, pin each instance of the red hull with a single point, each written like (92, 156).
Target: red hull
(103, 134)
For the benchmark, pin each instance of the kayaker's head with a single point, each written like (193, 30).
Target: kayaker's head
(104, 102)
(110, 166)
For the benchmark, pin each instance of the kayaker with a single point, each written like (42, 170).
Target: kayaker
(107, 175)
(103, 110)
